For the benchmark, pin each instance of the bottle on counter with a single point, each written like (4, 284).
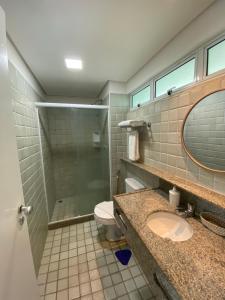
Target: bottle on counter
(174, 198)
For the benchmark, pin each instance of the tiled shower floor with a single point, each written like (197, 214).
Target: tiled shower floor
(65, 208)
(78, 263)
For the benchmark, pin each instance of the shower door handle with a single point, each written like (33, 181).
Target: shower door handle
(24, 211)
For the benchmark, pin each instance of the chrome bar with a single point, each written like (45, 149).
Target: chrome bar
(70, 105)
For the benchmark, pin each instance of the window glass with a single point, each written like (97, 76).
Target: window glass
(141, 97)
(216, 58)
(179, 77)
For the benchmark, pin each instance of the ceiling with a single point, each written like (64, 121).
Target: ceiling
(114, 38)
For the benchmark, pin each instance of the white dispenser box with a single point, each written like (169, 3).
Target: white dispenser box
(96, 139)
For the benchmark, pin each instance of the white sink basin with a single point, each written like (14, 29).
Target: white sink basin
(168, 225)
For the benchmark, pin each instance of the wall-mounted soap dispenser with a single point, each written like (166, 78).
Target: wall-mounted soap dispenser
(96, 139)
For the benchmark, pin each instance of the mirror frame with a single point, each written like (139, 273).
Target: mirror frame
(182, 135)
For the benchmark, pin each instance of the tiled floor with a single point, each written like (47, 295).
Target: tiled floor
(65, 208)
(78, 263)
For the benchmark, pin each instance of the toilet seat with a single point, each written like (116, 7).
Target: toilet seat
(104, 213)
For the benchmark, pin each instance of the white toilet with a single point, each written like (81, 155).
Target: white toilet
(104, 213)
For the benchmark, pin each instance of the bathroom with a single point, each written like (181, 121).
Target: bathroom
(112, 131)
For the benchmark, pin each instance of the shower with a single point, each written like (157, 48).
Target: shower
(75, 158)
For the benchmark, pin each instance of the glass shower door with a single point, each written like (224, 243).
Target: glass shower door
(92, 161)
(76, 160)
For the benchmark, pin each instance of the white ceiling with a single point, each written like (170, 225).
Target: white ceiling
(114, 38)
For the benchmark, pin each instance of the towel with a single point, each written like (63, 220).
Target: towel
(132, 123)
(133, 145)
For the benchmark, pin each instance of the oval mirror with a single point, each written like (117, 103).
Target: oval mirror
(203, 132)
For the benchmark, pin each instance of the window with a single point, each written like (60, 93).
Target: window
(179, 77)
(216, 58)
(141, 96)
(195, 68)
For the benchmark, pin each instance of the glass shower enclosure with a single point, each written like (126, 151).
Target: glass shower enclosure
(75, 156)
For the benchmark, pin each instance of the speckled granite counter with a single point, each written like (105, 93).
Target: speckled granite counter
(191, 187)
(196, 268)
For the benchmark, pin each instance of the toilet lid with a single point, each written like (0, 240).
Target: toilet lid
(105, 210)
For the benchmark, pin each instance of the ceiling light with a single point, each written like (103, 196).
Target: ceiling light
(74, 64)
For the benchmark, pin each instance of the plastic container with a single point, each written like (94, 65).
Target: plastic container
(174, 198)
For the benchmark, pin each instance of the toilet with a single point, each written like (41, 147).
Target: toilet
(104, 213)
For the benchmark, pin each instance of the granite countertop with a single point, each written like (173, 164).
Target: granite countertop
(185, 184)
(195, 267)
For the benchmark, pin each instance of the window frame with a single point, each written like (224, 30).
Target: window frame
(206, 48)
(172, 68)
(201, 63)
(146, 84)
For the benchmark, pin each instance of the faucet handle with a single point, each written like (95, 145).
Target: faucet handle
(189, 212)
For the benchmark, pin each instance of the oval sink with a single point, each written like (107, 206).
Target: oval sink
(168, 225)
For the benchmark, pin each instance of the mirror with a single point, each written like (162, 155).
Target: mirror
(203, 132)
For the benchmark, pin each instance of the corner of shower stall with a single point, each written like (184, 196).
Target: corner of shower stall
(75, 157)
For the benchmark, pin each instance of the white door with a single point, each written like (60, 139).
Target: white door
(17, 277)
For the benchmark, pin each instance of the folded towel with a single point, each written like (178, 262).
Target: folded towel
(131, 123)
(133, 145)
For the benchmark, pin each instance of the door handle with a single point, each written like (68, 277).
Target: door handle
(24, 211)
(27, 210)
(120, 221)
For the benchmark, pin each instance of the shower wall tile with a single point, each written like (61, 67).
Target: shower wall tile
(23, 98)
(64, 152)
(119, 105)
(161, 146)
(77, 160)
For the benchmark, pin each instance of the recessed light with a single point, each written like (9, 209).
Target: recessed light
(74, 63)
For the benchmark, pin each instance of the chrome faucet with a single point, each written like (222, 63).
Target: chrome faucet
(186, 213)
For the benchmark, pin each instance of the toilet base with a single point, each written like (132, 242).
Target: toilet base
(113, 233)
